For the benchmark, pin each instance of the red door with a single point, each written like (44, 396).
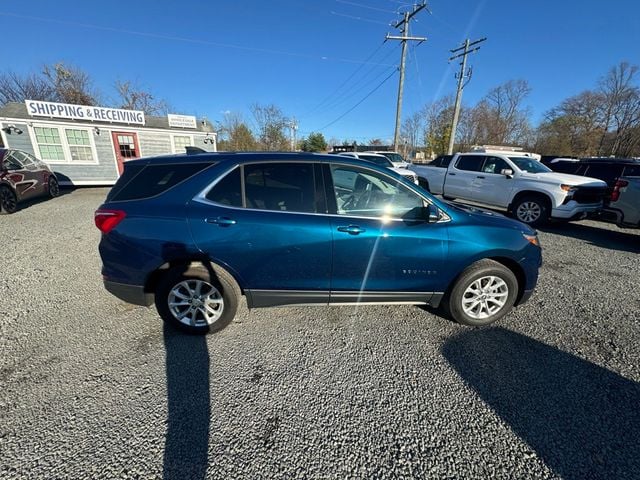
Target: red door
(126, 145)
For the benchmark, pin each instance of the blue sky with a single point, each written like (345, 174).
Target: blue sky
(317, 59)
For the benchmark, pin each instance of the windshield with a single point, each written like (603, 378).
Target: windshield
(529, 165)
(394, 157)
(378, 160)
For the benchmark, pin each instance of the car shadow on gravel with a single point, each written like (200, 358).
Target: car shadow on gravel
(23, 205)
(622, 240)
(188, 405)
(582, 420)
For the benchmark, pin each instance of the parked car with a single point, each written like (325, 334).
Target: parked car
(525, 187)
(23, 176)
(193, 233)
(608, 170)
(623, 207)
(382, 161)
(397, 159)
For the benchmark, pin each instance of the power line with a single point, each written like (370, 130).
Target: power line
(364, 6)
(183, 39)
(357, 104)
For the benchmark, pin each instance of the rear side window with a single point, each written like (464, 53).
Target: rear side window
(280, 186)
(471, 163)
(228, 191)
(632, 171)
(608, 173)
(140, 182)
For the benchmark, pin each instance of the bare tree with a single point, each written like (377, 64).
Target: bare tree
(132, 97)
(437, 124)
(502, 115)
(71, 84)
(18, 88)
(271, 124)
(411, 131)
(619, 108)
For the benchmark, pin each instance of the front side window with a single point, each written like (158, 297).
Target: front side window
(471, 163)
(280, 186)
(495, 165)
(361, 192)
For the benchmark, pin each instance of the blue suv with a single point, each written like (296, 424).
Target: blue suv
(195, 232)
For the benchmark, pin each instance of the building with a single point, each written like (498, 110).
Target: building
(87, 145)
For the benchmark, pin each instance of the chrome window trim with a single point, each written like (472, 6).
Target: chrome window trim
(202, 196)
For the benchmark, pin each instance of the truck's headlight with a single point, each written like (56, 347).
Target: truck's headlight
(568, 188)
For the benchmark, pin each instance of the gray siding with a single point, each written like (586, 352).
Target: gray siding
(152, 143)
(19, 142)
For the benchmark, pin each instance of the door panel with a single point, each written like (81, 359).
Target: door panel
(126, 148)
(493, 187)
(462, 178)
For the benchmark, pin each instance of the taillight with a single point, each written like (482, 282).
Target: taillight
(617, 188)
(106, 220)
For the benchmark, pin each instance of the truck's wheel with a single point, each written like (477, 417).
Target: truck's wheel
(424, 184)
(531, 209)
(484, 293)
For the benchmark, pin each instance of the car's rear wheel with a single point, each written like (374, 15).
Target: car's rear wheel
(54, 187)
(484, 293)
(197, 299)
(8, 200)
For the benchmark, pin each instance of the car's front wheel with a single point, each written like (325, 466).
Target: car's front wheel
(531, 210)
(8, 200)
(484, 293)
(197, 299)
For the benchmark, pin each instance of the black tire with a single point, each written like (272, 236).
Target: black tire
(54, 187)
(447, 197)
(452, 304)
(531, 209)
(424, 184)
(8, 200)
(178, 280)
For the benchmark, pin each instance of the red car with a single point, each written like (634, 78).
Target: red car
(23, 176)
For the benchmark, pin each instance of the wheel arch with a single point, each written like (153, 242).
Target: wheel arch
(186, 263)
(531, 193)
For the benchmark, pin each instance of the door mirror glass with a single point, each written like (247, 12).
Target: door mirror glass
(433, 213)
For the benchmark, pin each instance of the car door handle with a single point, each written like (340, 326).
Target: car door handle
(451, 173)
(480, 176)
(352, 229)
(222, 221)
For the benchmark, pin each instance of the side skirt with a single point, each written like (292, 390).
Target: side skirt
(275, 298)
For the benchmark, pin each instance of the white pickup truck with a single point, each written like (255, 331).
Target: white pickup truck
(525, 187)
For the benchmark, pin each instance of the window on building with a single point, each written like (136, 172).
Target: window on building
(49, 144)
(57, 144)
(181, 142)
(79, 145)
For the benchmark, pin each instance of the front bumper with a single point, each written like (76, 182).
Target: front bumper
(573, 210)
(134, 294)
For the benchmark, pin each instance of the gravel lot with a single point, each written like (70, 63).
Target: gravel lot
(91, 387)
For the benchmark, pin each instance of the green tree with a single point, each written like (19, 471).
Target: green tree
(314, 143)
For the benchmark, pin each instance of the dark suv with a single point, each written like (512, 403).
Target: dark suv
(607, 169)
(195, 232)
(23, 176)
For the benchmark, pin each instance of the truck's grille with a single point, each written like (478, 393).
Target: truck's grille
(589, 194)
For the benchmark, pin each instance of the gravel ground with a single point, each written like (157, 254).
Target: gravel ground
(91, 387)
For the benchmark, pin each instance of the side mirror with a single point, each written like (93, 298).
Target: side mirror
(507, 172)
(430, 213)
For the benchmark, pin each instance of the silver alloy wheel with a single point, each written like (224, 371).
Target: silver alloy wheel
(195, 303)
(485, 297)
(528, 212)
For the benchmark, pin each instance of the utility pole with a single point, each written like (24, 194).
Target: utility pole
(293, 127)
(461, 84)
(404, 24)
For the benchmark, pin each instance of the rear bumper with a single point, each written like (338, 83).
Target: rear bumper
(134, 294)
